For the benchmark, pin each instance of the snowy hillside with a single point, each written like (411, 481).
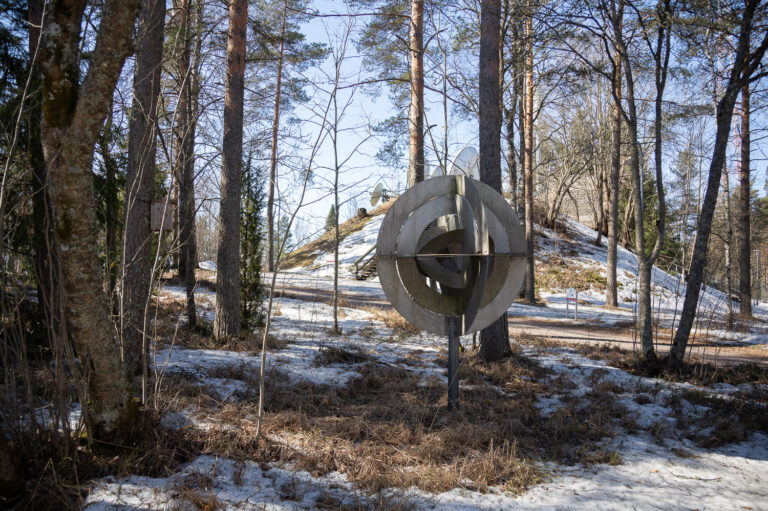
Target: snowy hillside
(567, 258)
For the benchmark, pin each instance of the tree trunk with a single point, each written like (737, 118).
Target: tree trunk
(728, 245)
(494, 339)
(510, 114)
(530, 294)
(273, 156)
(520, 87)
(185, 163)
(743, 225)
(739, 77)
(416, 112)
(227, 323)
(110, 213)
(611, 292)
(73, 116)
(599, 213)
(335, 139)
(140, 184)
(46, 269)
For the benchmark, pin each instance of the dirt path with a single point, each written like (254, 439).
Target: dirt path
(573, 333)
(590, 333)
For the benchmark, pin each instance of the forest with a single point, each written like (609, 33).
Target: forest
(191, 196)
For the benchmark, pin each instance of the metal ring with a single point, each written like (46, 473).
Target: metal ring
(451, 247)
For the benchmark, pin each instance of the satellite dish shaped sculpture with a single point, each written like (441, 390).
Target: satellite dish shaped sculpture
(451, 259)
(466, 163)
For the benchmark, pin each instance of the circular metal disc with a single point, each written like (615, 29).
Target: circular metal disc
(451, 247)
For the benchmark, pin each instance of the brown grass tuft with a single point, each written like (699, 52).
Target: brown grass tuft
(335, 355)
(392, 319)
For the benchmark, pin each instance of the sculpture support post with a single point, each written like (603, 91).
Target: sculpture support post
(454, 331)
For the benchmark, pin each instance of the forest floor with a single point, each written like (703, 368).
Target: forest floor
(358, 421)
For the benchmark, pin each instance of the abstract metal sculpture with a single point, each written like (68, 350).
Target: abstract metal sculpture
(450, 255)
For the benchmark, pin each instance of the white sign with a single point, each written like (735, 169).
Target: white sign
(571, 295)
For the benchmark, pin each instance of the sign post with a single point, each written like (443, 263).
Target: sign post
(572, 296)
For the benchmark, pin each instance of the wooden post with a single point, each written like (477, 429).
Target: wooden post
(454, 331)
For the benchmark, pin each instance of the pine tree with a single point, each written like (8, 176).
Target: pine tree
(251, 246)
(330, 221)
(227, 320)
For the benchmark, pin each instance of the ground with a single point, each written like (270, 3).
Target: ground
(358, 420)
(608, 438)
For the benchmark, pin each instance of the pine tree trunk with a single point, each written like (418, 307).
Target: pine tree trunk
(416, 112)
(530, 294)
(185, 162)
(728, 245)
(73, 116)
(743, 225)
(227, 323)
(494, 339)
(140, 184)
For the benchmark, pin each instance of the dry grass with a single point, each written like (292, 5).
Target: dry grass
(697, 372)
(203, 278)
(335, 355)
(730, 420)
(556, 273)
(57, 483)
(305, 255)
(392, 319)
(384, 431)
(388, 429)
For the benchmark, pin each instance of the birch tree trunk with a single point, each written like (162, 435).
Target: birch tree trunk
(416, 112)
(72, 117)
(227, 322)
(140, 184)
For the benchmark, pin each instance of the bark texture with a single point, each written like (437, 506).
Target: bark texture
(72, 118)
(227, 322)
(745, 63)
(530, 290)
(494, 339)
(611, 292)
(184, 164)
(140, 184)
(745, 249)
(42, 218)
(416, 111)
